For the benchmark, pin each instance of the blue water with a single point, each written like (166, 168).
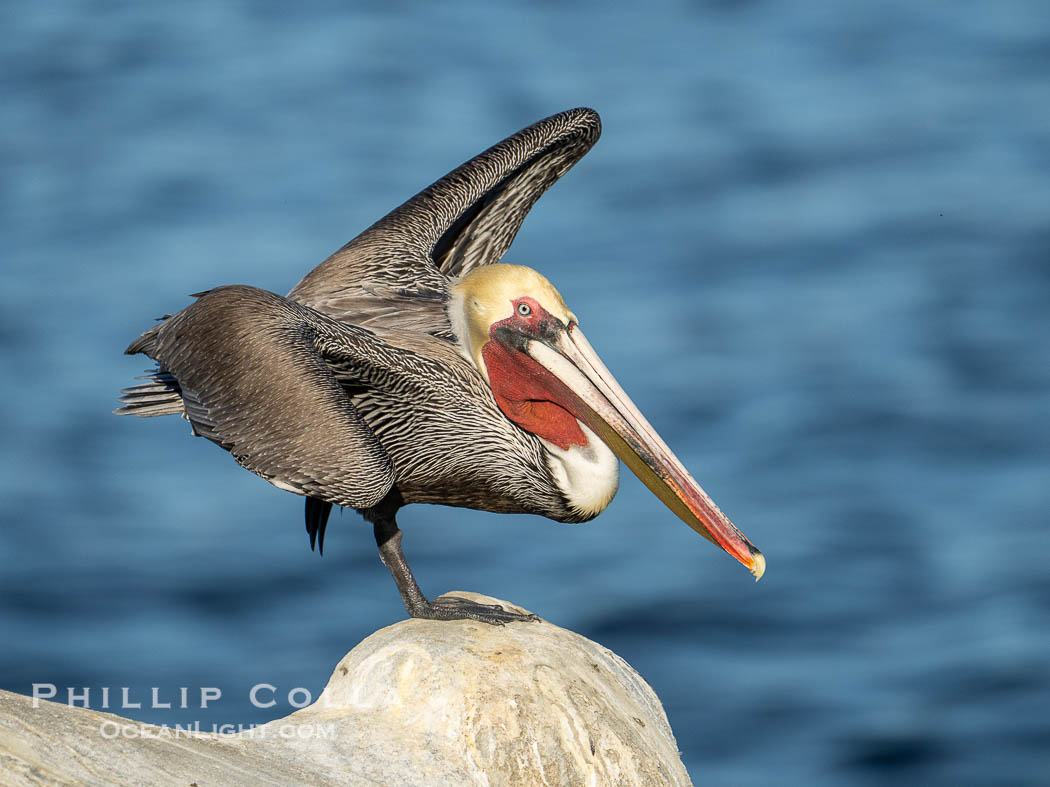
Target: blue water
(813, 243)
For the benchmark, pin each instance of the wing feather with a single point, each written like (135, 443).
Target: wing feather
(253, 378)
(467, 218)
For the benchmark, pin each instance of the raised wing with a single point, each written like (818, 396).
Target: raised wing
(465, 219)
(252, 374)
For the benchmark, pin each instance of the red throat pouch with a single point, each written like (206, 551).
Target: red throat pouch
(529, 396)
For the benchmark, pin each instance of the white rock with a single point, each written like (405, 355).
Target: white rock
(420, 702)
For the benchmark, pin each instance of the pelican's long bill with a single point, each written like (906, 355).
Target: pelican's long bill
(609, 412)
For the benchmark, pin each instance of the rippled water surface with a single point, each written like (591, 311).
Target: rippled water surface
(813, 244)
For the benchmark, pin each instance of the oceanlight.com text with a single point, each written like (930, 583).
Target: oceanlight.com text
(130, 730)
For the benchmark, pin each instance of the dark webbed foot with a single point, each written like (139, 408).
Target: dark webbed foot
(457, 608)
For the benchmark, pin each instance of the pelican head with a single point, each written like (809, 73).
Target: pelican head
(515, 328)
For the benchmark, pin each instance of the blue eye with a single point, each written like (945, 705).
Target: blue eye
(524, 309)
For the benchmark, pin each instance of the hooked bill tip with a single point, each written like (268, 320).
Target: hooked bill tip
(758, 565)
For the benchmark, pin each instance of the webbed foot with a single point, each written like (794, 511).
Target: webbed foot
(458, 608)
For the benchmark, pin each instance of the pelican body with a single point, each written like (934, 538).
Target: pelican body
(412, 366)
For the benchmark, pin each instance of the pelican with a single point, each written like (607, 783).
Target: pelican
(413, 366)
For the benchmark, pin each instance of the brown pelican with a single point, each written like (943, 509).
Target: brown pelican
(412, 366)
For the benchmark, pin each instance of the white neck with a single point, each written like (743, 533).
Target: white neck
(587, 475)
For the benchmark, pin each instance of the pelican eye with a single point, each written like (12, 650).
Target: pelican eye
(524, 309)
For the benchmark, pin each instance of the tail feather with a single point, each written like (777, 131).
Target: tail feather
(161, 395)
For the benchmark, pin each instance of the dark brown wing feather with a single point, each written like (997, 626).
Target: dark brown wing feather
(337, 412)
(397, 271)
(252, 377)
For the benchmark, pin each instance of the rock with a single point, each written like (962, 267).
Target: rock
(419, 702)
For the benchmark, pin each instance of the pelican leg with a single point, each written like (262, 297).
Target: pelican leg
(388, 538)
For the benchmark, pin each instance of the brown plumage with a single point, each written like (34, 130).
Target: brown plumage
(366, 386)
